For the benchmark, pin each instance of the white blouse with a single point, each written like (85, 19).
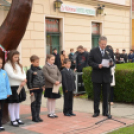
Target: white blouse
(15, 76)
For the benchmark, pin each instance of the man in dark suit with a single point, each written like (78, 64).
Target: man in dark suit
(57, 58)
(101, 76)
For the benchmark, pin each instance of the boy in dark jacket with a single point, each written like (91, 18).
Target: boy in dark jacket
(68, 84)
(36, 85)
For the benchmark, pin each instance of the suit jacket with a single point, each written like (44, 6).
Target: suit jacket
(68, 80)
(99, 75)
(124, 56)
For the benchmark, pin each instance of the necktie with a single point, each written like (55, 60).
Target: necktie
(102, 52)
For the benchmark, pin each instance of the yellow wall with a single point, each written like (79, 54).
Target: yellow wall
(133, 33)
(77, 28)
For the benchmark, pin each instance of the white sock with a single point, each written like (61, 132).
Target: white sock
(11, 111)
(49, 106)
(17, 111)
(53, 106)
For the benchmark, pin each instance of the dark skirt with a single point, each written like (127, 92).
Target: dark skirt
(15, 98)
(48, 94)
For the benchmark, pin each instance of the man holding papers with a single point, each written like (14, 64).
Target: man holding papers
(101, 60)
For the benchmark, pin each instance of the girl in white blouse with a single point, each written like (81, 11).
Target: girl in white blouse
(17, 78)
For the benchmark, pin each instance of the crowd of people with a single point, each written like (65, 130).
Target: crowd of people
(124, 57)
(58, 69)
(79, 59)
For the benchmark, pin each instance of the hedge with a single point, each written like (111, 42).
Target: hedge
(124, 76)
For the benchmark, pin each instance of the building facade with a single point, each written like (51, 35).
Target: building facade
(77, 22)
(133, 24)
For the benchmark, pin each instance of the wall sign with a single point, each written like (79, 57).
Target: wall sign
(78, 10)
(52, 25)
(120, 2)
(96, 28)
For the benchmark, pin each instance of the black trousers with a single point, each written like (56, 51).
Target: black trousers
(68, 102)
(112, 94)
(1, 108)
(105, 93)
(36, 105)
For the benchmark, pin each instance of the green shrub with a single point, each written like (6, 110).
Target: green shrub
(124, 88)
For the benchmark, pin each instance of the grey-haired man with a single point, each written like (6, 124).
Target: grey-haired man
(101, 76)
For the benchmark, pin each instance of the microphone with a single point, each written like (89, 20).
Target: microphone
(111, 61)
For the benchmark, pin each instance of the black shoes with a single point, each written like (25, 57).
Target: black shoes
(107, 115)
(35, 119)
(72, 114)
(55, 115)
(2, 129)
(14, 124)
(67, 115)
(51, 116)
(96, 115)
(40, 120)
(20, 122)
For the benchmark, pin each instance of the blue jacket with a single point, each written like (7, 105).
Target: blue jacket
(5, 89)
(131, 56)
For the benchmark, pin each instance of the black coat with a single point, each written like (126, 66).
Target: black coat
(35, 78)
(68, 80)
(124, 56)
(81, 61)
(99, 75)
(72, 58)
(57, 60)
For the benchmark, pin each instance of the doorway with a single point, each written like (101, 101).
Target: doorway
(52, 35)
(96, 33)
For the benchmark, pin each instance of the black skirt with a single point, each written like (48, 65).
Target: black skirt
(48, 94)
(15, 98)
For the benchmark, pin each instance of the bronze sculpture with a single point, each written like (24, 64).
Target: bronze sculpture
(13, 29)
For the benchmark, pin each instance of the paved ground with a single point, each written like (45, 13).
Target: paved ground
(83, 123)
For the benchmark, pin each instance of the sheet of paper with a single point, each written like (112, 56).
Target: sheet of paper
(19, 90)
(122, 59)
(32, 97)
(56, 88)
(105, 63)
